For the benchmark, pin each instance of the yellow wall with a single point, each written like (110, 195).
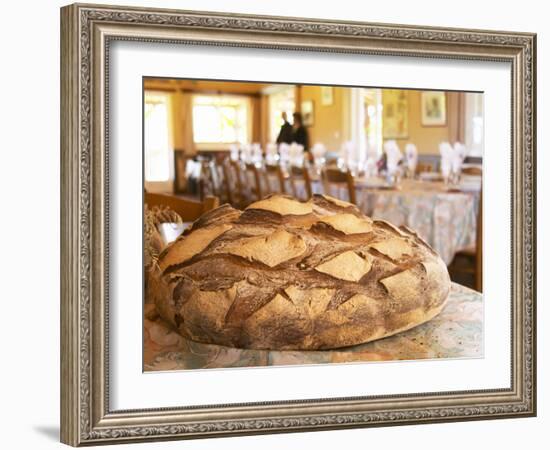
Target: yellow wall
(331, 122)
(329, 125)
(426, 139)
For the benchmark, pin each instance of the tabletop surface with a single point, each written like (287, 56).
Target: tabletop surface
(457, 332)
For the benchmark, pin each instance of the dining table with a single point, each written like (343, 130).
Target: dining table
(444, 215)
(457, 332)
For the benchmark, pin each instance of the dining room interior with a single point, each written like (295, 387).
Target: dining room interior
(409, 161)
(410, 157)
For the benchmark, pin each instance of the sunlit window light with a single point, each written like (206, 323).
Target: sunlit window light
(219, 119)
(157, 137)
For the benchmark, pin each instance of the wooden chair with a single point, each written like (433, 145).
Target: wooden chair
(336, 176)
(213, 178)
(472, 171)
(240, 187)
(189, 210)
(256, 188)
(275, 170)
(424, 167)
(232, 183)
(229, 183)
(302, 174)
(470, 261)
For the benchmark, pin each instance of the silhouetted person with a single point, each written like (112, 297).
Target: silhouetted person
(285, 135)
(299, 132)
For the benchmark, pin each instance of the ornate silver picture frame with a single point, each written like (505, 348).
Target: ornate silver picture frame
(87, 31)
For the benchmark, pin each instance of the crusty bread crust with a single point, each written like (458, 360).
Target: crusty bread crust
(285, 274)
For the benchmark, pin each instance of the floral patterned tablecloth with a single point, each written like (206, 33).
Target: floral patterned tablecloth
(445, 218)
(457, 332)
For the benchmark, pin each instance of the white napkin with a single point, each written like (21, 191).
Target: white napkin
(257, 154)
(446, 152)
(271, 153)
(234, 152)
(371, 168)
(350, 154)
(284, 152)
(411, 155)
(246, 153)
(193, 169)
(393, 156)
(296, 154)
(459, 154)
(318, 150)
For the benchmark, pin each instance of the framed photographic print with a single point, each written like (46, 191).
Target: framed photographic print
(434, 109)
(396, 114)
(284, 273)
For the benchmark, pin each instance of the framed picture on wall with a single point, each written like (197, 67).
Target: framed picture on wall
(266, 279)
(434, 108)
(308, 113)
(395, 122)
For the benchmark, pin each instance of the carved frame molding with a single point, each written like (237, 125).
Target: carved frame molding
(86, 32)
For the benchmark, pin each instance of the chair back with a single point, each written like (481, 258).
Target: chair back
(424, 167)
(256, 187)
(275, 170)
(299, 174)
(472, 171)
(212, 181)
(229, 183)
(189, 210)
(239, 185)
(336, 176)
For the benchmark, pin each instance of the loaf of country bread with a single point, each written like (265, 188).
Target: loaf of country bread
(285, 274)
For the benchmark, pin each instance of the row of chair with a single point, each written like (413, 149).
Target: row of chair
(240, 184)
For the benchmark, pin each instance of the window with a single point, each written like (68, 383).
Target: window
(474, 124)
(157, 137)
(220, 119)
(373, 121)
(366, 122)
(281, 100)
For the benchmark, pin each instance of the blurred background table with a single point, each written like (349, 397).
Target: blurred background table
(445, 217)
(457, 332)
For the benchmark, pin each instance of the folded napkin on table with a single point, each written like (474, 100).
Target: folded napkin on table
(459, 154)
(296, 154)
(350, 155)
(446, 152)
(318, 151)
(284, 152)
(411, 156)
(256, 153)
(234, 152)
(271, 153)
(246, 153)
(393, 156)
